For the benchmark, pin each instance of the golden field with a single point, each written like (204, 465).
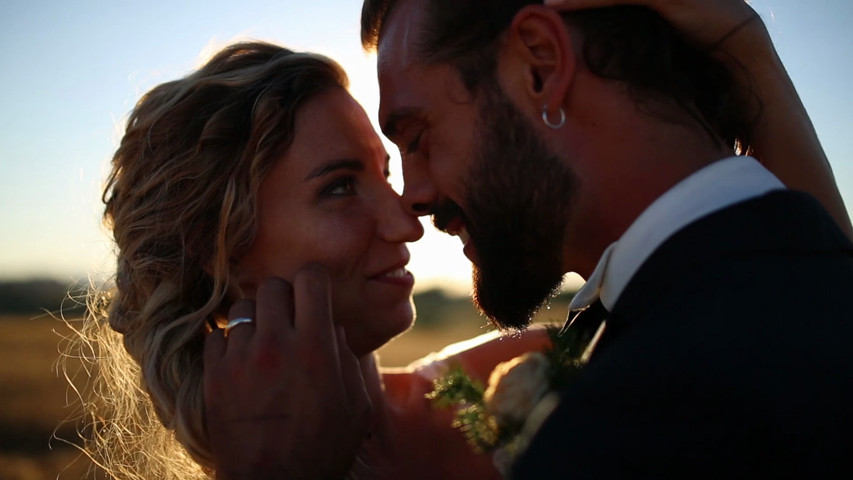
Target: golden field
(33, 401)
(34, 396)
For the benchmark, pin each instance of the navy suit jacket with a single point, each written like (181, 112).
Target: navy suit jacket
(728, 355)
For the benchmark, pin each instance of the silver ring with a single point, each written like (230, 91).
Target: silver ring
(237, 321)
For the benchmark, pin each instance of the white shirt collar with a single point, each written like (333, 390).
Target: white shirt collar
(717, 186)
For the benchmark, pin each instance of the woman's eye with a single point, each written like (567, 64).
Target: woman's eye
(340, 187)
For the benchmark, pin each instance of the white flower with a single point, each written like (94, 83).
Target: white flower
(516, 386)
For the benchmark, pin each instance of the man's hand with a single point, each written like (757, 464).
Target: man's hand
(284, 395)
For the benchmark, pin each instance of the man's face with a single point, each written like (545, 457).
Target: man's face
(517, 199)
(479, 167)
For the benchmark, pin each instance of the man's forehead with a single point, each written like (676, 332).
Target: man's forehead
(397, 41)
(396, 57)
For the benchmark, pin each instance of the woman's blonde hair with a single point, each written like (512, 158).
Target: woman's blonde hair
(180, 201)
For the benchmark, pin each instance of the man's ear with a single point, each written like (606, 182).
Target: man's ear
(539, 59)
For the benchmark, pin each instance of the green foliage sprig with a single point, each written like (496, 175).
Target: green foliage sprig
(484, 430)
(564, 356)
(457, 390)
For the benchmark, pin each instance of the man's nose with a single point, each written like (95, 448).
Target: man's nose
(419, 193)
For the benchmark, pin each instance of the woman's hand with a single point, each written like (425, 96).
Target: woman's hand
(284, 395)
(729, 26)
(783, 137)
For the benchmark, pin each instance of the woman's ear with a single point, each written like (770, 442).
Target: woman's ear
(539, 59)
(241, 284)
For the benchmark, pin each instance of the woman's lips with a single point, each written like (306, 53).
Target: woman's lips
(397, 276)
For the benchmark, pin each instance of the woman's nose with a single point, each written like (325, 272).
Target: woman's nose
(397, 225)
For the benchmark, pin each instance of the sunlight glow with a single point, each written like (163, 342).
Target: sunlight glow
(59, 132)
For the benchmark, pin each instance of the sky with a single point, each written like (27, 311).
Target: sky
(71, 72)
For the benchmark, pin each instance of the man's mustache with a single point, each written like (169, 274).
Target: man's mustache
(445, 211)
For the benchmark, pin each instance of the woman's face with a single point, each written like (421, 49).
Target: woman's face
(328, 201)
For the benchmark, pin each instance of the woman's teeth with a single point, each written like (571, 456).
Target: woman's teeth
(399, 273)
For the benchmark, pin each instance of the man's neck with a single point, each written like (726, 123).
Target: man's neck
(715, 187)
(630, 158)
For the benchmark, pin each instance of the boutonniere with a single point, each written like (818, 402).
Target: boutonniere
(492, 417)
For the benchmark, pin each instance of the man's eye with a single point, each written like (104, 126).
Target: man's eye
(415, 144)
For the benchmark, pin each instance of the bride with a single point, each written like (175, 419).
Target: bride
(261, 165)
(256, 165)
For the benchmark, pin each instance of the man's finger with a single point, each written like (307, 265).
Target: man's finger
(214, 351)
(353, 380)
(238, 336)
(313, 307)
(214, 348)
(274, 307)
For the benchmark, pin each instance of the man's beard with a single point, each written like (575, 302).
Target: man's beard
(517, 201)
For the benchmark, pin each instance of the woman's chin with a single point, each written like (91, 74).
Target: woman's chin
(367, 340)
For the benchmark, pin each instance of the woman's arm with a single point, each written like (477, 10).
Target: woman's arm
(405, 387)
(422, 427)
(784, 138)
(479, 355)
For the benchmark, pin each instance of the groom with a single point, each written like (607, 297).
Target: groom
(600, 143)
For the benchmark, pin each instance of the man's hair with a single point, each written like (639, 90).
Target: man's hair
(626, 43)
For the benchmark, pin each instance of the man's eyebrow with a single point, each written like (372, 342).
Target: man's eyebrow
(342, 164)
(390, 127)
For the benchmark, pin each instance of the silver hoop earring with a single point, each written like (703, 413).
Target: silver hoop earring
(555, 126)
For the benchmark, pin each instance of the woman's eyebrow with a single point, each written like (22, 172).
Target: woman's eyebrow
(342, 164)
